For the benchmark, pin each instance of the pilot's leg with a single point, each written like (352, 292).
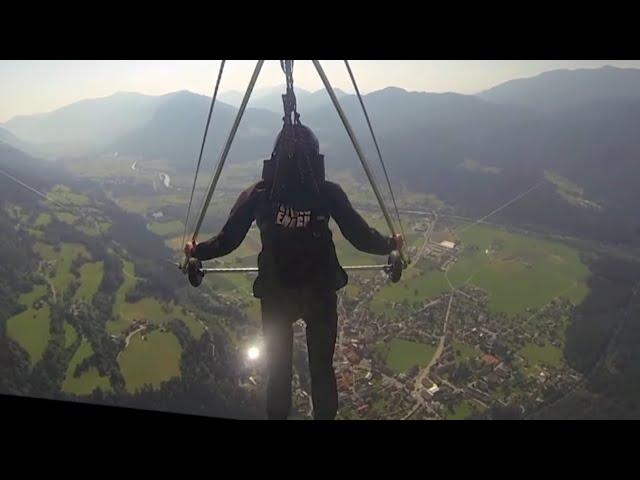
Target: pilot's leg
(278, 339)
(321, 317)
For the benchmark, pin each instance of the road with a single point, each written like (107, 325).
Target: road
(502, 207)
(53, 291)
(420, 403)
(128, 339)
(418, 387)
(365, 298)
(425, 245)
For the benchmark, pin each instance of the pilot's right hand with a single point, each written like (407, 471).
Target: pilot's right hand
(190, 248)
(398, 241)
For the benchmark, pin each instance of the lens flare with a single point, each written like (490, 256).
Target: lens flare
(253, 353)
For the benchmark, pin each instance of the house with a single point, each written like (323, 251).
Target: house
(344, 382)
(352, 355)
(503, 371)
(489, 359)
(493, 380)
(433, 389)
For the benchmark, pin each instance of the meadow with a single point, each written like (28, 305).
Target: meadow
(150, 361)
(30, 328)
(62, 261)
(401, 354)
(90, 278)
(155, 312)
(520, 273)
(89, 380)
(547, 355)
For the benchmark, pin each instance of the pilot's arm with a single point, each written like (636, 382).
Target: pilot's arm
(234, 231)
(354, 228)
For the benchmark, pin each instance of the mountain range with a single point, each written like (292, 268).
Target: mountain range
(577, 128)
(558, 89)
(270, 98)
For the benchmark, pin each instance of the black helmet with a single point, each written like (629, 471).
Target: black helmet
(297, 163)
(297, 138)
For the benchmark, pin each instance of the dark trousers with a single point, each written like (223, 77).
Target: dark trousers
(280, 310)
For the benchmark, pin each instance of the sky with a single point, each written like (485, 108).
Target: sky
(36, 86)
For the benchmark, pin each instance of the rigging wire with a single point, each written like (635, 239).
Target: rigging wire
(204, 140)
(227, 147)
(375, 141)
(37, 192)
(359, 152)
(74, 211)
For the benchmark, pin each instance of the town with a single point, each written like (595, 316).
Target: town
(474, 362)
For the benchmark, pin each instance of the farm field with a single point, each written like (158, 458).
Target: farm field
(401, 354)
(150, 361)
(518, 272)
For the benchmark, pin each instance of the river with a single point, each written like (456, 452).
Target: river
(165, 179)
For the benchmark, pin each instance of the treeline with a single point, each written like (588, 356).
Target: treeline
(112, 278)
(131, 232)
(603, 342)
(611, 287)
(15, 369)
(157, 279)
(17, 263)
(48, 374)
(208, 382)
(95, 320)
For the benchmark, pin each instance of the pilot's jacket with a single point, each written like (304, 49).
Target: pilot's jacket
(297, 245)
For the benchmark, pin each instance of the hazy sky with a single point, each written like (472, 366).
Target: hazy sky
(28, 86)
